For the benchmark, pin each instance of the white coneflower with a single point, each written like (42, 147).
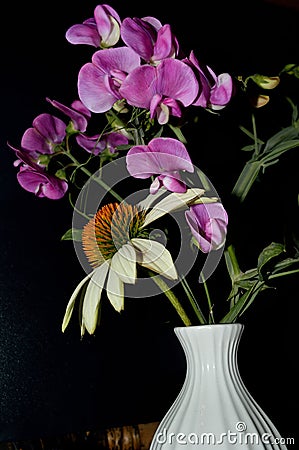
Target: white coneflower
(115, 240)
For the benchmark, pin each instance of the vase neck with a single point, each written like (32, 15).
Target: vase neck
(210, 347)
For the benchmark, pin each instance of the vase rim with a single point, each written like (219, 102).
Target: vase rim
(211, 325)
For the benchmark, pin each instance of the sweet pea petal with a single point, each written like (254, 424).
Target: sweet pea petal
(78, 119)
(92, 89)
(85, 33)
(107, 21)
(222, 94)
(173, 183)
(164, 47)
(160, 156)
(156, 257)
(176, 80)
(208, 224)
(54, 188)
(136, 33)
(33, 141)
(140, 86)
(94, 78)
(92, 144)
(120, 58)
(42, 185)
(47, 131)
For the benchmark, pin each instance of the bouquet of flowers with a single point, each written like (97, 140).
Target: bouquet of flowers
(139, 96)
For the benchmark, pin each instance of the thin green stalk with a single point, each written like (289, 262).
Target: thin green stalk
(211, 315)
(97, 180)
(193, 302)
(289, 272)
(256, 147)
(172, 298)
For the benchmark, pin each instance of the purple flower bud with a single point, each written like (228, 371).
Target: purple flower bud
(103, 30)
(208, 224)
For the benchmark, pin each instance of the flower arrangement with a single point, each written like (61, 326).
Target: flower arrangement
(137, 98)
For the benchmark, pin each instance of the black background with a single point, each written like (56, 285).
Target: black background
(132, 369)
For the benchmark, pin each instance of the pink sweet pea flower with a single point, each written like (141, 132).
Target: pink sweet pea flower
(98, 143)
(163, 89)
(78, 113)
(99, 81)
(47, 132)
(34, 178)
(208, 224)
(215, 91)
(103, 30)
(149, 39)
(162, 156)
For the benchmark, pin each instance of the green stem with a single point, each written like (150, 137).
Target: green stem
(172, 298)
(96, 179)
(193, 302)
(256, 147)
(211, 315)
(290, 272)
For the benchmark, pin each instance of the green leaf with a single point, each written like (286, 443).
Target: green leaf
(72, 235)
(268, 253)
(248, 148)
(177, 131)
(232, 263)
(246, 179)
(240, 306)
(281, 265)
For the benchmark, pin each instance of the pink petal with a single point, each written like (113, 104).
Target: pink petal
(141, 163)
(140, 86)
(177, 80)
(92, 89)
(120, 58)
(135, 35)
(160, 156)
(172, 154)
(33, 141)
(221, 94)
(78, 119)
(52, 128)
(173, 184)
(164, 45)
(104, 24)
(83, 34)
(41, 185)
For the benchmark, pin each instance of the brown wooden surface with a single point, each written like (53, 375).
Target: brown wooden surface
(130, 437)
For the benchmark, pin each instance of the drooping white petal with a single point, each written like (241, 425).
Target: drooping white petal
(172, 202)
(123, 263)
(71, 303)
(151, 198)
(115, 290)
(205, 200)
(92, 297)
(155, 257)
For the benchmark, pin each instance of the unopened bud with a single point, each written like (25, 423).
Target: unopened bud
(260, 101)
(266, 82)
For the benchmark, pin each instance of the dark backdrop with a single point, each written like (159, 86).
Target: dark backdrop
(131, 371)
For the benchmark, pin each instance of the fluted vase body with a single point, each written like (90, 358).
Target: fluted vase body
(214, 408)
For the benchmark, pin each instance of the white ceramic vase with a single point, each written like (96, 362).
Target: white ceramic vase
(214, 409)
